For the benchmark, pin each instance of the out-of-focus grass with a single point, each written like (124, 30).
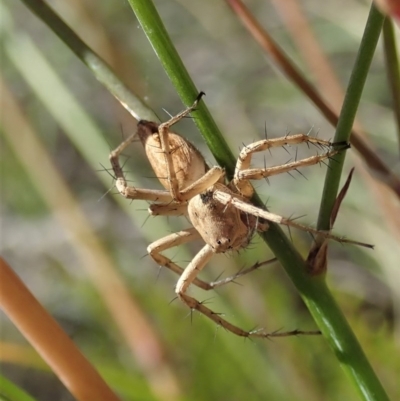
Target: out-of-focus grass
(244, 93)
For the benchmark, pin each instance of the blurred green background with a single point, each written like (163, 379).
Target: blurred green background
(163, 352)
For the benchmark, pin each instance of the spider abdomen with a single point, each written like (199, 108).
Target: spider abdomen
(188, 163)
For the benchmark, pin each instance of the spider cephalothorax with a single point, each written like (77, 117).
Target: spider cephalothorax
(223, 227)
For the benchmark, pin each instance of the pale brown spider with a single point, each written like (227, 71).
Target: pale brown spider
(221, 214)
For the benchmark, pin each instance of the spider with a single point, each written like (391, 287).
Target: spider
(221, 214)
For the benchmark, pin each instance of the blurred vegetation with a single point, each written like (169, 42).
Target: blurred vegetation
(163, 352)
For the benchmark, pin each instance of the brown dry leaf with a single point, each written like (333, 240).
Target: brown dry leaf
(317, 257)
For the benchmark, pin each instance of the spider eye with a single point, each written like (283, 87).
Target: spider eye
(225, 241)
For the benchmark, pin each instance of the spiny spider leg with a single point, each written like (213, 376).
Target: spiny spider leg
(212, 176)
(188, 277)
(257, 174)
(170, 241)
(230, 199)
(243, 173)
(183, 237)
(122, 185)
(170, 209)
(260, 333)
(240, 273)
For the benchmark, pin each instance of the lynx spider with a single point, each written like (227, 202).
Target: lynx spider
(221, 214)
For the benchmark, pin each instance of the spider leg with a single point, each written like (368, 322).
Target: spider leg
(188, 277)
(183, 237)
(155, 195)
(256, 174)
(243, 173)
(227, 198)
(240, 273)
(114, 159)
(202, 184)
(169, 209)
(170, 241)
(121, 183)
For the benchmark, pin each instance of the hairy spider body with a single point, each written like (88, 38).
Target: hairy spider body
(222, 215)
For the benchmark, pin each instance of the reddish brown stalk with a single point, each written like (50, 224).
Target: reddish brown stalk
(49, 340)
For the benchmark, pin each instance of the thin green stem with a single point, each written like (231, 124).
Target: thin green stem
(393, 70)
(348, 113)
(100, 69)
